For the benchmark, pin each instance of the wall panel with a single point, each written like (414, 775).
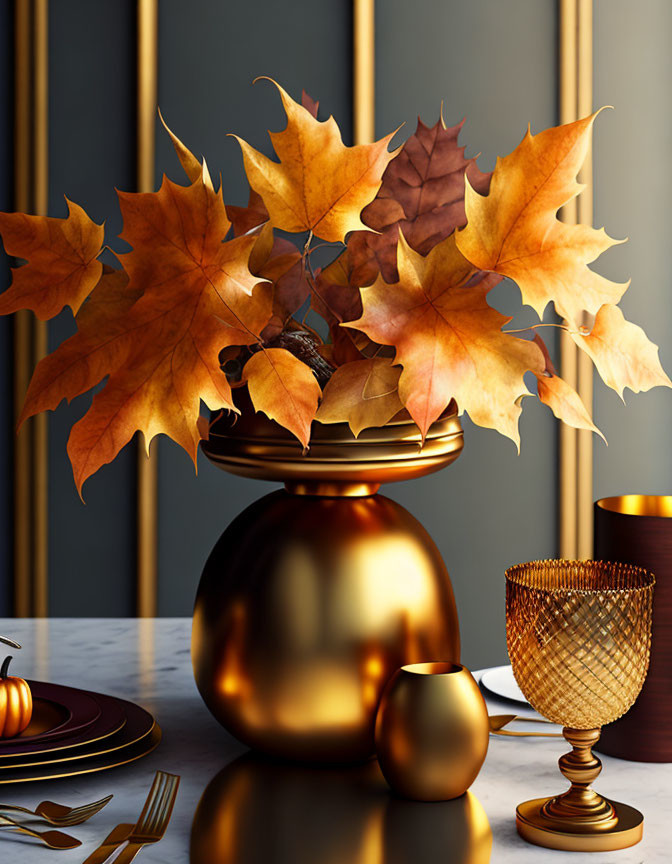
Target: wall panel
(633, 188)
(92, 150)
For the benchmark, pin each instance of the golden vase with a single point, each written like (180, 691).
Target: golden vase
(432, 731)
(317, 593)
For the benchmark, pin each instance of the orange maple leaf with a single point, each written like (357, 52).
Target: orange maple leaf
(98, 346)
(622, 353)
(319, 185)
(514, 230)
(62, 267)
(363, 393)
(161, 355)
(448, 340)
(284, 388)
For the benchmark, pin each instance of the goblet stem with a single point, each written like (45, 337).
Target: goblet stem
(581, 768)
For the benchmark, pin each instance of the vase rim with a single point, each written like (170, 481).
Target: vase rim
(637, 504)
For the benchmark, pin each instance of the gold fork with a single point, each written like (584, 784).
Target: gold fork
(59, 814)
(153, 821)
(497, 721)
(53, 839)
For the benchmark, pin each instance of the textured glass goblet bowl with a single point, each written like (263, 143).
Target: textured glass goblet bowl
(579, 636)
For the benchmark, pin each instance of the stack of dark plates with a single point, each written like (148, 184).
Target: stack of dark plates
(76, 732)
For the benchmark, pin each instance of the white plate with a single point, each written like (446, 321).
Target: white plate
(500, 681)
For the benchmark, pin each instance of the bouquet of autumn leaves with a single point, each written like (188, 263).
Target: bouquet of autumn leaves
(211, 298)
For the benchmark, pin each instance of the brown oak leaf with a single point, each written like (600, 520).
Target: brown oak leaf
(422, 195)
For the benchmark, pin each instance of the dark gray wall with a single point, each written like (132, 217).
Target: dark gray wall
(91, 150)
(493, 62)
(633, 190)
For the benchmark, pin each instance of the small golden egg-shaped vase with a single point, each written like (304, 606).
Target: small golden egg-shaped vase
(431, 731)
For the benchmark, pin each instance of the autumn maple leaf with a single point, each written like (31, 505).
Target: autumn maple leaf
(448, 340)
(319, 184)
(422, 195)
(62, 267)
(622, 353)
(560, 396)
(514, 231)
(284, 388)
(98, 346)
(160, 353)
(363, 393)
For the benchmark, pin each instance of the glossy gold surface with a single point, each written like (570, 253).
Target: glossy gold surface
(253, 446)
(575, 80)
(147, 482)
(258, 811)
(579, 635)
(306, 607)
(638, 505)
(363, 71)
(432, 731)
(31, 150)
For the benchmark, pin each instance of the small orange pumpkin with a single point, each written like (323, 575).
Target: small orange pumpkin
(16, 701)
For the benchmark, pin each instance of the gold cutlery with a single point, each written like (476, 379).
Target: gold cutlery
(497, 721)
(53, 839)
(58, 814)
(150, 827)
(110, 844)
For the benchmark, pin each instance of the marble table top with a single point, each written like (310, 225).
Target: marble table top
(148, 661)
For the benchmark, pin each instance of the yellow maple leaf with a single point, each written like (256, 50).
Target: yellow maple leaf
(513, 230)
(319, 185)
(362, 393)
(622, 353)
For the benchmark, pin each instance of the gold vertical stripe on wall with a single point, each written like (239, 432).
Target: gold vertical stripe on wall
(363, 71)
(576, 447)
(147, 28)
(40, 336)
(31, 161)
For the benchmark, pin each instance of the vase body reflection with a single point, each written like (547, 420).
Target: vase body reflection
(262, 812)
(315, 595)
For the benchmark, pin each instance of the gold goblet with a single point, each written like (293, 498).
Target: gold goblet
(578, 635)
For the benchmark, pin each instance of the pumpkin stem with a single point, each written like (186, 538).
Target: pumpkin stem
(5, 667)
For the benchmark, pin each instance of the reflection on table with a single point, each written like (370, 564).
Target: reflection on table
(256, 811)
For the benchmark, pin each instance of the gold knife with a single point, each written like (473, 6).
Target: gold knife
(115, 838)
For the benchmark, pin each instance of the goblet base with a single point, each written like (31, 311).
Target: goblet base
(580, 836)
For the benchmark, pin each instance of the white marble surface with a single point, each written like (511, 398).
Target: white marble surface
(148, 662)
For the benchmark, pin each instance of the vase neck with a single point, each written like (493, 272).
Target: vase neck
(332, 489)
